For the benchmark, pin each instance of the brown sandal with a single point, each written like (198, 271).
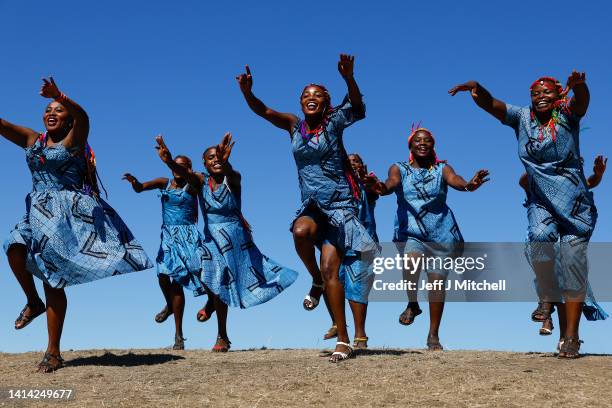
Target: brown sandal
(570, 348)
(331, 332)
(360, 343)
(547, 327)
(542, 312)
(163, 315)
(35, 310)
(46, 365)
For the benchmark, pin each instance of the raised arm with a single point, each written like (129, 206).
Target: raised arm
(195, 180)
(580, 102)
(599, 168)
(21, 136)
(224, 150)
(394, 179)
(346, 66)
(483, 98)
(77, 136)
(158, 183)
(458, 183)
(281, 120)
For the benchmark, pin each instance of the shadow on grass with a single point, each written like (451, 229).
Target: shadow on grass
(124, 360)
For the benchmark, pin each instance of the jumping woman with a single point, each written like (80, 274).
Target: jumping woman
(424, 224)
(327, 218)
(234, 271)
(179, 257)
(69, 235)
(591, 309)
(561, 207)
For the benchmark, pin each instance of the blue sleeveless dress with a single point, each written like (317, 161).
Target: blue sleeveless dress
(233, 268)
(181, 250)
(71, 237)
(356, 277)
(423, 221)
(560, 207)
(327, 197)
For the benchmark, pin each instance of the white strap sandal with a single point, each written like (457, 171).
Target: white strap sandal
(313, 300)
(343, 355)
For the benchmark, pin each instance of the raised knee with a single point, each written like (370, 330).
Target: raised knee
(304, 232)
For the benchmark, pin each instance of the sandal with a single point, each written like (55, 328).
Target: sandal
(313, 301)
(408, 315)
(35, 310)
(542, 312)
(222, 345)
(179, 343)
(45, 366)
(203, 314)
(360, 343)
(331, 332)
(559, 345)
(338, 356)
(163, 315)
(570, 348)
(433, 343)
(547, 327)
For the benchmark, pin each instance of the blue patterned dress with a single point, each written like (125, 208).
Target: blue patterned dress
(357, 285)
(233, 268)
(181, 250)
(326, 193)
(71, 237)
(560, 208)
(423, 220)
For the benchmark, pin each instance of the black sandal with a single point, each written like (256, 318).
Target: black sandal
(179, 343)
(570, 348)
(23, 320)
(409, 314)
(45, 365)
(163, 315)
(542, 313)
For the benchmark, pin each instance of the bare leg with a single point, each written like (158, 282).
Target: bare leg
(17, 261)
(178, 308)
(305, 231)
(223, 343)
(165, 284)
(436, 308)
(360, 311)
(333, 330)
(331, 259)
(56, 312)
(412, 310)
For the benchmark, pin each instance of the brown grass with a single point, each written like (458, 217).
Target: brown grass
(263, 378)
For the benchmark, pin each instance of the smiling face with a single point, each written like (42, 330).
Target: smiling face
(314, 100)
(356, 164)
(543, 96)
(56, 117)
(212, 164)
(422, 144)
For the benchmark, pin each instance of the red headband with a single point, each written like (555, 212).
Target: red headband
(548, 82)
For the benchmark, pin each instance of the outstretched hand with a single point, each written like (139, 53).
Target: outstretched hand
(129, 178)
(574, 79)
(245, 80)
(162, 150)
(478, 180)
(346, 65)
(599, 167)
(471, 86)
(49, 88)
(371, 183)
(224, 149)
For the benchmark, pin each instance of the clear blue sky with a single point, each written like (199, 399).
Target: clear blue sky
(140, 68)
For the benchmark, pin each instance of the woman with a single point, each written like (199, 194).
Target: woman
(423, 223)
(180, 252)
(357, 287)
(234, 271)
(591, 309)
(69, 235)
(327, 218)
(561, 206)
